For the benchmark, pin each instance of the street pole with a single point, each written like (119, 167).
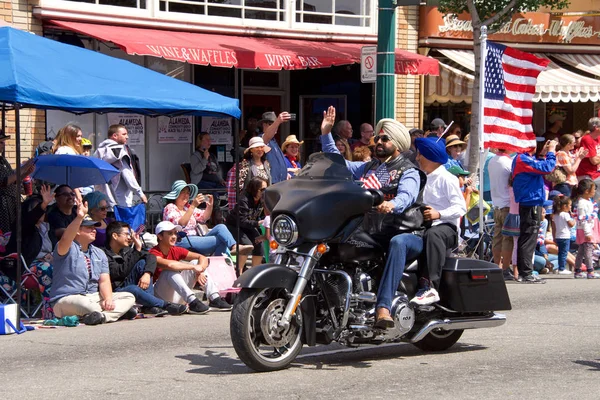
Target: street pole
(386, 45)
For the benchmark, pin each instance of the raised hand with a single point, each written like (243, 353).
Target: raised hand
(328, 120)
(199, 199)
(46, 193)
(284, 117)
(82, 208)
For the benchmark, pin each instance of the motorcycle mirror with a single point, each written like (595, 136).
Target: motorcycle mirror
(377, 195)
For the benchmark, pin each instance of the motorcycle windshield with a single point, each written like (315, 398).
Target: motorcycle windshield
(325, 165)
(322, 198)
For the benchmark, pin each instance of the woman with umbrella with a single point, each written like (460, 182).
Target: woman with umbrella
(9, 190)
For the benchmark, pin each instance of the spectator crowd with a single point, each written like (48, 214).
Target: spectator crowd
(92, 263)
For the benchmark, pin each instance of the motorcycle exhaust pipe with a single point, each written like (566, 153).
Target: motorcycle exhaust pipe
(449, 324)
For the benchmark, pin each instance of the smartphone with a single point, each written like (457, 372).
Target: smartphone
(140, 229)
(292, 117)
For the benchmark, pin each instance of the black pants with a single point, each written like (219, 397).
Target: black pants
(529, 228)
(437, 240)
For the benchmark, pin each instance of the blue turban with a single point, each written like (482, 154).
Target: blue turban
(433, 149)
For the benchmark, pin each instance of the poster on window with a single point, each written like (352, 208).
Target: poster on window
(220, 129)
(135, 125)
(175, 130)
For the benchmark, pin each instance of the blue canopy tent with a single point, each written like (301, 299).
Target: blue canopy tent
(36, 72)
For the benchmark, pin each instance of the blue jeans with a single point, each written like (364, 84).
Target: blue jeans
(539, 263)
(144, 297)
(218, 241)
(403, 246)
(563, 251)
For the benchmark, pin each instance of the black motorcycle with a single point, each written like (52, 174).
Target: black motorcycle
(321, 286)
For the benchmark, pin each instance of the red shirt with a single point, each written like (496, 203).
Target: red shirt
(586, 167)
(175, 254)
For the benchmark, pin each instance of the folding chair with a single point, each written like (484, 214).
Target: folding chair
(28, 281)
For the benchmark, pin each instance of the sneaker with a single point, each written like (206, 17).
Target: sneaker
(156, 311)
(426, 296)
(580, 275)
(93, 318)
(564, 272)
(130, 314)
(219, 304)
(544, 271)
(176, 309)
(197, 307)
(532, 279)
(508, 276)
(593, 275)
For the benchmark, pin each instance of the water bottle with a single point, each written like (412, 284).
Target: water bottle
(28, 185)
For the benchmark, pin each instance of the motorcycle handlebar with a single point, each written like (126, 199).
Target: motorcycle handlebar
(377, 195)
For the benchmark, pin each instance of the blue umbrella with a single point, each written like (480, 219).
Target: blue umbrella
(75, 171)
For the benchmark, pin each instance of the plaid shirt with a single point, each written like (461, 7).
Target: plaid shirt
(231, 195)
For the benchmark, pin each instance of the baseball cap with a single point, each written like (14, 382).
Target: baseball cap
(556, 117)
(166, 226)
(457, 170)
(88, 221)
(437, 122)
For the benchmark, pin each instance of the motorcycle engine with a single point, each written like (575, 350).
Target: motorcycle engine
(404, 318)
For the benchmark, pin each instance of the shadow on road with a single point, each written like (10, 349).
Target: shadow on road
(594, 365)
(320, 358)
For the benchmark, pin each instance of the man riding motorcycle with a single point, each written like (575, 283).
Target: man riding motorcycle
(401, 182)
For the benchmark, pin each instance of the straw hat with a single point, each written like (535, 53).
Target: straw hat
(177, 187)
(257, 141)
(289, 140)
(454, 140)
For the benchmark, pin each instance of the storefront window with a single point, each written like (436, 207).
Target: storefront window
(338, 12)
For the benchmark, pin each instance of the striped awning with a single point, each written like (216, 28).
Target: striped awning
(589, 63)
(554, 84)
(452, 85)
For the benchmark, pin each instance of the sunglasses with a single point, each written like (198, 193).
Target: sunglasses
(102, 209)
(383, 138)
(126, 234)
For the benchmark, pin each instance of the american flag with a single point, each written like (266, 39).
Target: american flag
(377, 179)
(509, 87)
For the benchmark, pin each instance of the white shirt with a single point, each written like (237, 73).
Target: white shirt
(561, 223)
(65, 150)
(500, 168)
(442, 192)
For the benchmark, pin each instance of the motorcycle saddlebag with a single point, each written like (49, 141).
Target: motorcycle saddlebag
(470, 285)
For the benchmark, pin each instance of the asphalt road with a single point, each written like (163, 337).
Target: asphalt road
(548, 349)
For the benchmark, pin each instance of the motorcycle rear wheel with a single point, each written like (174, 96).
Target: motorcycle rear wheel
(439, 340)
(257, 340)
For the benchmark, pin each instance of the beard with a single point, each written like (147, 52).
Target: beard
(382, 151)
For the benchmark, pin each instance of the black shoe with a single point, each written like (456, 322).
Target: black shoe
(93, 318)
(532, 279)
(176, 309)
(219, 304)
(156, 311)
(508, 276)
(197, 307)
(130, 314)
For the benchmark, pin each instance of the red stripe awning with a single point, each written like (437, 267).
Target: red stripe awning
(240, 51)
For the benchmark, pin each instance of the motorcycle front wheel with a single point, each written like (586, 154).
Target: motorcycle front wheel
(257, 339)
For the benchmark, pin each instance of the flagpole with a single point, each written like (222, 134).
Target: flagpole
(483, 46)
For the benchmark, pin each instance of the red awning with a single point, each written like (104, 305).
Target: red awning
(241, 52)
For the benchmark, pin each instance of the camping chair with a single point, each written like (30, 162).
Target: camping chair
(187, 169)
(29, 282)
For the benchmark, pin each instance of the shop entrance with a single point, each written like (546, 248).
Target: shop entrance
(254, 105)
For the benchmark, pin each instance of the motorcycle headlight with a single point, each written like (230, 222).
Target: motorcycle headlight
(285, 230)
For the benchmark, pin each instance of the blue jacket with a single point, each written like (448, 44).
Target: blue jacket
(528, 178)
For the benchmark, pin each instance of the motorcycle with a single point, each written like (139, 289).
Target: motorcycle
(321, 286)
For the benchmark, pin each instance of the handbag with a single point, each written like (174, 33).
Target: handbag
(557, 176)
(511, 226)
(473, 208)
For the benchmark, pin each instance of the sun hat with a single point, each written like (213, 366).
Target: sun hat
(291, 139)
(257, 141)
(177, 187)
(88, 221)
(166, 226)
(436, 123)
(454, 140)
(269, 116)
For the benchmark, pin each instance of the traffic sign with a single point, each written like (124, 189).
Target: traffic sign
(368, 64)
